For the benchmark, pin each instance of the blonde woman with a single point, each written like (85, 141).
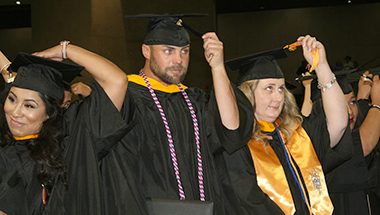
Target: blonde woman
(281, 171)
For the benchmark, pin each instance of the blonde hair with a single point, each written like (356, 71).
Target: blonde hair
(289, 116)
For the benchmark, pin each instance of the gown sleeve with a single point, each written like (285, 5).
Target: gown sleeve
(94, 126)
(97, 116)
(363, 106)
(316, 127)
(354, 174)
(232, 140)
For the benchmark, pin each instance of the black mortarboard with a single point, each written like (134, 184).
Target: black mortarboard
(258, 66)
(167, 29)
(341, 78)
(290, 86)
(43, 75)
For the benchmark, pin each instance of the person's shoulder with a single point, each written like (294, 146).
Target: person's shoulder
(195, 91)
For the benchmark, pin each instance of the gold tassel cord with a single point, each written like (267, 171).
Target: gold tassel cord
(293, 47)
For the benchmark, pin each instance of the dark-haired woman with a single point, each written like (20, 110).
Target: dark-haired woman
(31, 137)
(38, 139)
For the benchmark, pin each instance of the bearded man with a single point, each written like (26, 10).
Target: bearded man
(169, 152)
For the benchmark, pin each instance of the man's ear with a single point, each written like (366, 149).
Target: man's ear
(146, 50)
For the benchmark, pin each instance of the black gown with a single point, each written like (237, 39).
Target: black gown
(374, 193)
(28, 169)
(349, 183)
(92, 127)
(142, 164)
(12, 190)
(239, 177)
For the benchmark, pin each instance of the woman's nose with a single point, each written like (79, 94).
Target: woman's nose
(17, 111)
(349, 109)
(277, 96)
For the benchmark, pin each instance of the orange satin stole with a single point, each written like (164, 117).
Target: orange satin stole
(271, 177)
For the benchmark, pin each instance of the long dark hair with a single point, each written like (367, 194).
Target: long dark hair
(46, 149)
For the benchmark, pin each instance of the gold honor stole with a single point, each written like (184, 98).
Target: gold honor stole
(137, 79)
(272, 180)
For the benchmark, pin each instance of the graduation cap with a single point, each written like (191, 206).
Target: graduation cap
(341, 78)
(258, 66)
(167, 29)
(290, 86)
(43, 75)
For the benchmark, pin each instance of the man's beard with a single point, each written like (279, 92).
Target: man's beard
(164, 76)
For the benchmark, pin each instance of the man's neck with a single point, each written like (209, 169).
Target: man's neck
(148, 73)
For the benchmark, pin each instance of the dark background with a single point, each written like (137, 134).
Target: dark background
(19, 16)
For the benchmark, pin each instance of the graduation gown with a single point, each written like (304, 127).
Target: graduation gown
(12, 191)
(141, 163)
(28, 169)
(238, 173)
(93, 126)
(374, 193)
(349, 183)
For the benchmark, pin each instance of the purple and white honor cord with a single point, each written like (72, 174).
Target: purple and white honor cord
(170, 139)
